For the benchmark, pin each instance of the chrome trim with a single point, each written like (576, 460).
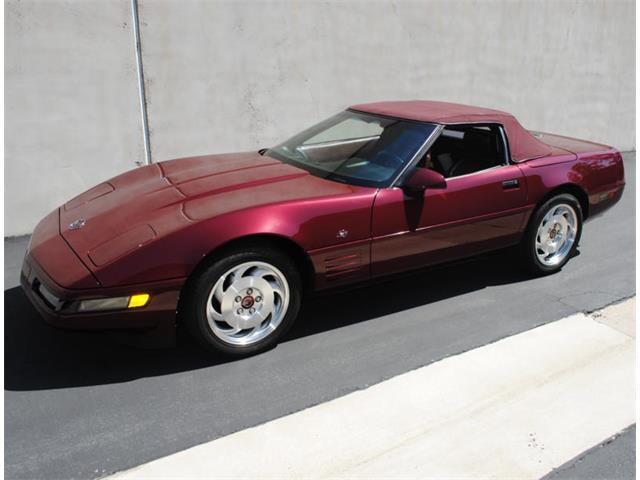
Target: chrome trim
(505, 143)
(418, 155)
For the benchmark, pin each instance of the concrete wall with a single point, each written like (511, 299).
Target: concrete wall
(224, 76)
(71, 112)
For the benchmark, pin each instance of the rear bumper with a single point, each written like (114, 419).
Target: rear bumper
(605, 199)
(58, 304)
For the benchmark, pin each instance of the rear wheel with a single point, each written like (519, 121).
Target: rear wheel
(553, 234)
(243, 303)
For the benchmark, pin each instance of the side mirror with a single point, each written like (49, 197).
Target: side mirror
(423, 178)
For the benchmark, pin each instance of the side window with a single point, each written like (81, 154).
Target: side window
(465, 149)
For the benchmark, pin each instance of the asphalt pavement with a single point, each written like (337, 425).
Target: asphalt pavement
(80, 405)
(613, 458)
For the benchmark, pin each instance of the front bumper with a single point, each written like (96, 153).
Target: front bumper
(57, 305)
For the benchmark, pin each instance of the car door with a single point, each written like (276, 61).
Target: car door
(481, 211)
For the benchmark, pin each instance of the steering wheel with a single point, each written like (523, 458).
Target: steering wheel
(388, 159)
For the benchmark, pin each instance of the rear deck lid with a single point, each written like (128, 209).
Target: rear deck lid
(573, 145)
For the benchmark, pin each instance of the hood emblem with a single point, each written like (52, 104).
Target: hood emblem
(78, 224)
(342, 233)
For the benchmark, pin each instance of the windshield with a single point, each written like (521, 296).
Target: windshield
(355, 148)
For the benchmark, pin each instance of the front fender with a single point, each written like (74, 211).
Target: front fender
(312, 224)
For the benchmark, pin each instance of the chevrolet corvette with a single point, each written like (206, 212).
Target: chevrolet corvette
(226, 245)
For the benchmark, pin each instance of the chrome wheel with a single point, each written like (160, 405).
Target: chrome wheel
(556, 234)
(247, 303)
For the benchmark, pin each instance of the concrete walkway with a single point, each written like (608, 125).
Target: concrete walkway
(515, 408)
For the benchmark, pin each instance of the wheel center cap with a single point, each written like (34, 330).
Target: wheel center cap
(247, 302)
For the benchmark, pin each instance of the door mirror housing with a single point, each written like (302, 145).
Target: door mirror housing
(423, 178)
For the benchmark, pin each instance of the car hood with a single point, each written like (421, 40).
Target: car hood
(132, 209)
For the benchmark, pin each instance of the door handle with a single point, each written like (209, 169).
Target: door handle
(511, 184)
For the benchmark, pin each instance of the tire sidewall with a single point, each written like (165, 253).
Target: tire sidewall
(530, 244)
(198, 294)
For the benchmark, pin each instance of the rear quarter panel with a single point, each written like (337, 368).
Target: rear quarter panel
(600, 174)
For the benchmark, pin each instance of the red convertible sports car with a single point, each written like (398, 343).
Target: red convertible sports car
(227, 244)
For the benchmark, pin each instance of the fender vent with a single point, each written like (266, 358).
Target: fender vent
(342, 265)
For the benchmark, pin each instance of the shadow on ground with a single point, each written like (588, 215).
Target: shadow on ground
(38, 356)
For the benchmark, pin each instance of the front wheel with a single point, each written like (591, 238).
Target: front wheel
(243, 303)
(553, 234)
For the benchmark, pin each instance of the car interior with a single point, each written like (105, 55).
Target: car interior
(376, 156)
(464, 149)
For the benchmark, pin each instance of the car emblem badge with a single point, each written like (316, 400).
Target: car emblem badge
(342, 233)
(247, 302)
(76, 225)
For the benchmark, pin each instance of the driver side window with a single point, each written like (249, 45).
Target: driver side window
(464, 149)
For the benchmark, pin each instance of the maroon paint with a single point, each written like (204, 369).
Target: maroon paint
(471, 214)
(146, 230)
(524, 146)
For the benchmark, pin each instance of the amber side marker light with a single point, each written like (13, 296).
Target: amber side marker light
(116, 303)
(138, 300)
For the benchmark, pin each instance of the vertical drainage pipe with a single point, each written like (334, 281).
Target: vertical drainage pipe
(141, 86)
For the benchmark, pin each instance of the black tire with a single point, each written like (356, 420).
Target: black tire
(528, 244)
(192, 310)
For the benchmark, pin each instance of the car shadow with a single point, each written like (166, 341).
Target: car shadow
(38, 356)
